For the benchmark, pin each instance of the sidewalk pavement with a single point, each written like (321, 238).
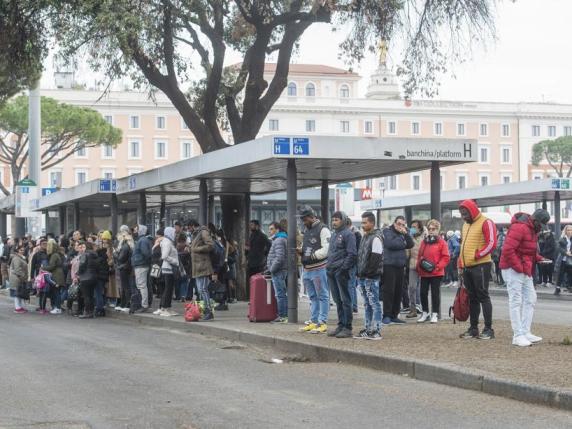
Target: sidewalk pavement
(541, 292)
(538, 374)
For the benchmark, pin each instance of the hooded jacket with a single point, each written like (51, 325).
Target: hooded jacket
(520, 250)
(259, 246)
(143, 249)
(277, 257)
(169, 254)
(342, 251)
(479, 237)
(395, 245)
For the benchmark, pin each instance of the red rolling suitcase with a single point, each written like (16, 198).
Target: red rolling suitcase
(262, 306)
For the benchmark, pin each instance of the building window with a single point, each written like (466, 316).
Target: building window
(80, 177)
(292, 89)
(484, 130)
(132, 171)
(81, 152)
(310, 126)
(107, 174)
(134, 122)
(134, 149)
(345, 126)
(506, 178)
(461, 129)
(536, 130)
(551, 131)
(186, 150)
(438, 128)
(391, 128)
(107, 151)
(568, 131)
(344, 91)
(416, 182)
(484, 179)
(56, 179)
(368, 127)
(462, 181)
(273, 125)
(184, 125)
(392, 183)
(310, 90)
(506, 155)
(505, 130)
(160, 122)
(537, 176)
(483, 154)
(160, 150)
(441, 182)
(108, 119)
(415, 128)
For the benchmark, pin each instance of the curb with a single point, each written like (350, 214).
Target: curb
(446, 374)
(540, 295)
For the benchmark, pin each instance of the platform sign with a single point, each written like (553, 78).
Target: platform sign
(301, 146)
(107, 185)
(281, 146)
(48, 191)
(26, 198)
(561, 183)
(132, 182)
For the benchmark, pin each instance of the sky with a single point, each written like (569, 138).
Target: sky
(531, 60)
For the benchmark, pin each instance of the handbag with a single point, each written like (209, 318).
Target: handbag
(192, 312)
(73, 292)
(155, 271)
(427, 265)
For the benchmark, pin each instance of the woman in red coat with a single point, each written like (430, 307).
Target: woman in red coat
(432, 259)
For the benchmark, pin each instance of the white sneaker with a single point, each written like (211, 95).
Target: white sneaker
(548, 284)
(118, 308)
(521, 341)
(424, 318)
(533, 338)
(125, 310)
(455, 284)
(157, 312)
(56, 311)
(434, 318)
(165, 313)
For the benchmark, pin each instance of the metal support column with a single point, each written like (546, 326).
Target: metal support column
(162, 212)
(325, 202)
(291, 203)
(246, 226)
(203, 202)
(544, 204)
(62, 219)
(408, 215)
(76, 216)
(3, 225)
(435, 190)
(211, 208)
(142, 209)
(557, 212)
(114, 215)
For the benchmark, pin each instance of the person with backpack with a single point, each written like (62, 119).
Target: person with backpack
(141, 262)
(432, 259)
(277, 265)
(202, 250)
(519, 255)
(87, 273)
(369, 265)
(122, 257)
(18, 278)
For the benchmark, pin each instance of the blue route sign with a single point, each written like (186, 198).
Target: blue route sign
(301, 146)
(281, 145)
(107, 185)
(48, 191)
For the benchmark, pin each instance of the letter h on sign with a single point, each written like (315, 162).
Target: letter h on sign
(469, 149)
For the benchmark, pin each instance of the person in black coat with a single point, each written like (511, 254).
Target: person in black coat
(257, 249)
(88, 274)
(547, 249)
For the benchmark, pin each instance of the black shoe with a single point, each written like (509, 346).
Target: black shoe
(344, 333)
(470, 333)
(207, 316)
(100, 313)
(335, 332)
(86, 316)
(355, 309)
(221, 307)
(487, 334)
(557, 291)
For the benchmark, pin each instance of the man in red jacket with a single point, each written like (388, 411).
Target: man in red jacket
(519, 254)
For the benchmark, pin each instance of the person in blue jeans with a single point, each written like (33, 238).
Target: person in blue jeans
(314, 256)
(276, 264)
(369, 263)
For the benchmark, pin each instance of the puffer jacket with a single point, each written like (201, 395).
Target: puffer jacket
(520, 249)
(201, 247)
(169, 254)
(394, 246)
(88, 266)
(278, 255)
(436, 252)
(342, 252)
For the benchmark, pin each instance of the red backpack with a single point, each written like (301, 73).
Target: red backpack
(460, 309)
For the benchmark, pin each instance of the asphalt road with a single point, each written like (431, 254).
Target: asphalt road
(61, 372)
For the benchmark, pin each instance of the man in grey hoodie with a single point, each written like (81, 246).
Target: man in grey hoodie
(341, 259)
(141, 262)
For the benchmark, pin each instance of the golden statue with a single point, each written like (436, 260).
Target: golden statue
(383, 52)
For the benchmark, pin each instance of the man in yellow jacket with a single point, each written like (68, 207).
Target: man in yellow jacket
(479, 238)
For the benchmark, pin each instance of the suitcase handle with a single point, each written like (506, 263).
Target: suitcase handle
(268, 291)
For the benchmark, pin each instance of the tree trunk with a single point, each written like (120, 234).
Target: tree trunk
(235, 217)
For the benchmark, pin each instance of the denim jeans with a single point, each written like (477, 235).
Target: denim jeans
(370, 291)
(182, 288)
(99, 295)
(413, 289)
(339, 285)
(521, 300)
(352, 285)
(279, 283)
(203, 288)
(316, 283)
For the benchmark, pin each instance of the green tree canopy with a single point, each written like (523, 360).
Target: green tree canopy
(66, 129)
(557, 152)
(22, 45)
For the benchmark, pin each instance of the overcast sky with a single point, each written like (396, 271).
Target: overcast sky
(531, 60)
